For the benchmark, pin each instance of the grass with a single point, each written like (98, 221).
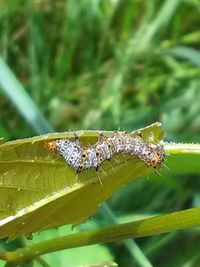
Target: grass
(109, 65)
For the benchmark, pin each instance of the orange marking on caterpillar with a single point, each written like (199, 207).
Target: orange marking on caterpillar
(50, 145)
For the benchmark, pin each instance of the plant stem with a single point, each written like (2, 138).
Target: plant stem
(173, 148)
(151, 226)
(130, 244)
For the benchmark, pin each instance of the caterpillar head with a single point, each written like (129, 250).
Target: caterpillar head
(157, 156)
(50, 145)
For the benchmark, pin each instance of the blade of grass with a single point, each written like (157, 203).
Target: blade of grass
(162, 20)
(18, 96)
(185, 52)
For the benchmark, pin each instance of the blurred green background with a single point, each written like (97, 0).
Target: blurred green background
(115, 64)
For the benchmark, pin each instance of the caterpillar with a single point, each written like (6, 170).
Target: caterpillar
(69, 150)
(86, 157)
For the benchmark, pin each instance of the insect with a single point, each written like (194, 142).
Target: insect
(86, 157)
(71, 151)
(151, 154)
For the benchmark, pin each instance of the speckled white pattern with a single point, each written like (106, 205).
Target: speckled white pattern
(70, 151)
(82, 158)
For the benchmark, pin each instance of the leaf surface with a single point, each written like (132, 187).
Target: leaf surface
(39, 190)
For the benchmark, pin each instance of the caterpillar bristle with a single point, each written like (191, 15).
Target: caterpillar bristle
(86, 157)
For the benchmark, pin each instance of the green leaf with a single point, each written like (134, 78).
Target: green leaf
(39, 190)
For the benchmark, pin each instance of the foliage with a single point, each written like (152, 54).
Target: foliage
(108, 65)
(37, 188)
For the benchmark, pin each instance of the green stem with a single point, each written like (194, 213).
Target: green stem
(130, 244)
(172, 149)
(42, 262)
(151, 226)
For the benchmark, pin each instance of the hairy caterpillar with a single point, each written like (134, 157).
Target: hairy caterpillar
(82, 158)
